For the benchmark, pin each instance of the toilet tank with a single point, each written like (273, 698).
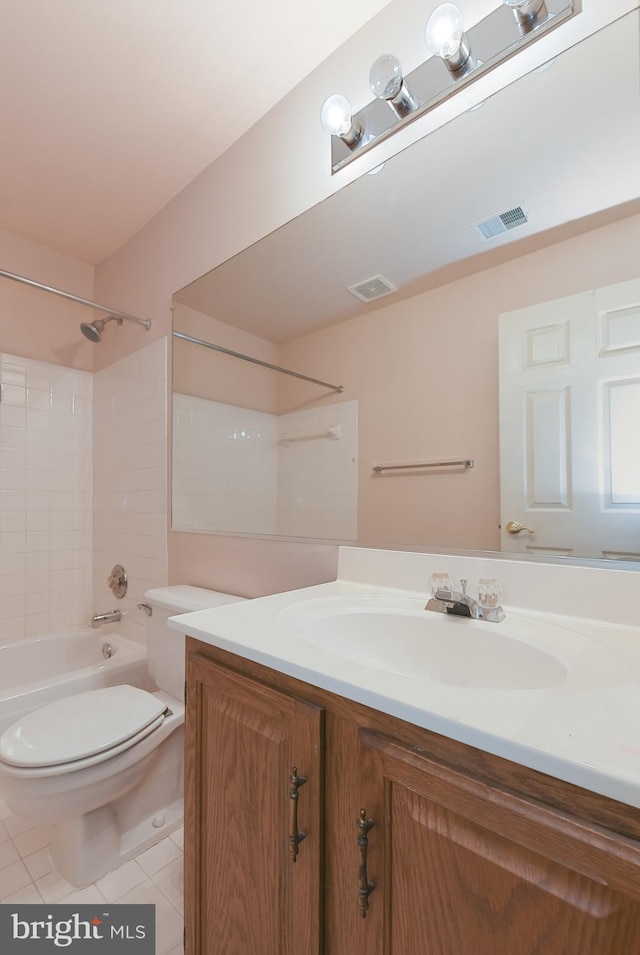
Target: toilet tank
(165, 647)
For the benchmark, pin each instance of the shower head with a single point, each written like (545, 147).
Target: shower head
(93, 330)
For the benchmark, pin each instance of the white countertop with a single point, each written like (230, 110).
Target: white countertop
(584, 729)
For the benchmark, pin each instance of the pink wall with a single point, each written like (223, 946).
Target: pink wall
(276, 171)
(36, 324)
(249, 567)
(209, 374)
(281, 166)
(424, 372)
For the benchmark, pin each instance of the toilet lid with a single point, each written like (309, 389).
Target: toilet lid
(81, 726)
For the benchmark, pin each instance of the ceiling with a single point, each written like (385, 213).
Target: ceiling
(111, 107)
(563, 143)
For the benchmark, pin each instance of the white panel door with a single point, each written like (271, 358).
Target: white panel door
(570, 425)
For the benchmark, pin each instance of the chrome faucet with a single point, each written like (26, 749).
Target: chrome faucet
(111, 617)
(460, 604)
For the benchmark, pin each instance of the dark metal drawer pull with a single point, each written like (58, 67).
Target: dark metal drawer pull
(365, 888)
(295, 837)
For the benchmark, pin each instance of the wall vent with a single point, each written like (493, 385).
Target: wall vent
(501, 222)
(370, 289)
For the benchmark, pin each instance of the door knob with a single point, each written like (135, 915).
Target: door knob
(514, 527)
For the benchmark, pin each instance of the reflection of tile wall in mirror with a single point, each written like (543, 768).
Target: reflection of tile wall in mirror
(422, 363)
(236, 470)
(318, 472)
(224, 467)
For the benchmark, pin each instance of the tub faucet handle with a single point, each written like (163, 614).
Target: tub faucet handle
(117, 581)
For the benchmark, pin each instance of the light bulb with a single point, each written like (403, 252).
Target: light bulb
(444, 31)
(385, 77)
(387, 82)
(337, 120)
(336, 116)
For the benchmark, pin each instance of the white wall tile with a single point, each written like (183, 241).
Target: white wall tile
(129, 480)
(317, 477)
(232, 473)
(47, 477)
(225, 465)
(45, 493)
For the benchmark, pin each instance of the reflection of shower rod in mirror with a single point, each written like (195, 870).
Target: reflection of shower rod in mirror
(457, 59)
(257, 361)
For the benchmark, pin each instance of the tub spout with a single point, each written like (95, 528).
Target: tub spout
(111, 617)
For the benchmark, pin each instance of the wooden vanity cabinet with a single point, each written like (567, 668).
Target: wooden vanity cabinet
(468, 854)
(465, 868)
(244, 894)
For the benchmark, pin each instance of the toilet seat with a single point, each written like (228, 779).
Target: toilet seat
(81, 730)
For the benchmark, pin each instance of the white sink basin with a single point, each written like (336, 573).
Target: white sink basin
(397, 635)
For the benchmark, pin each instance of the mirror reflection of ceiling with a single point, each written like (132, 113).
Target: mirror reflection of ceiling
(563, 143)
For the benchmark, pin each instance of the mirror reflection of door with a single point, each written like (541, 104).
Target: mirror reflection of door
(570, 425)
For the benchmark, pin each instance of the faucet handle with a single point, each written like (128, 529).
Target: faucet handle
(440, 582)
(117, 581)
(489, 592)
(463, 585)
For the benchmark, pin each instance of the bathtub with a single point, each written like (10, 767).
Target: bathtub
(37, 671)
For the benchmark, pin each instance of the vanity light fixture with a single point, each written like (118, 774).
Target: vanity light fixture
(458, 57)
(527, 12)
(445, 37)
(387, 83)
(337, 120)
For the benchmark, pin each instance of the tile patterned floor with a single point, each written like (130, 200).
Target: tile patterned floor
(154, 877)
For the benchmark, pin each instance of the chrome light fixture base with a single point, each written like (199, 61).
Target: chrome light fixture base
(496, 38)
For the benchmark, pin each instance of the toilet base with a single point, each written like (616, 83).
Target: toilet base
(85, 848)
(88, 845)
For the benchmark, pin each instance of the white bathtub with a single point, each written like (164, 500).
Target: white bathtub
(42, 669)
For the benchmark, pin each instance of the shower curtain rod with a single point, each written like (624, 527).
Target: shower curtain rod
(257, 361)
(76, 298)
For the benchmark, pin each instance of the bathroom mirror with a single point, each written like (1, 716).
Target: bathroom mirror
(548, 168)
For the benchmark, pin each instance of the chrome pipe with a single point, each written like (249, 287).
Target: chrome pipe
(76, 298)
(256, 361)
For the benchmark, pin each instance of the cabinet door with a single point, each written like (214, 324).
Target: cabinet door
(247, 890)
(461, 867)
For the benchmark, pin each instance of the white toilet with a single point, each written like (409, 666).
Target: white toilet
(106, 767)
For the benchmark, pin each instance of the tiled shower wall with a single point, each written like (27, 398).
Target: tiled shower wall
(234, 469)
(224, 467)
(45, 497)
(318, 472)
(130, 463)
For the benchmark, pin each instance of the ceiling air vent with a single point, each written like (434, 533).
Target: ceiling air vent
(372, 288)
(501, 222)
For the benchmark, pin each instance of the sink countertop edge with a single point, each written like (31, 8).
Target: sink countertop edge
(541, 729)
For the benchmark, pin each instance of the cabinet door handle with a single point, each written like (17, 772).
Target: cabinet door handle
(295, 837)
(365, 888)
